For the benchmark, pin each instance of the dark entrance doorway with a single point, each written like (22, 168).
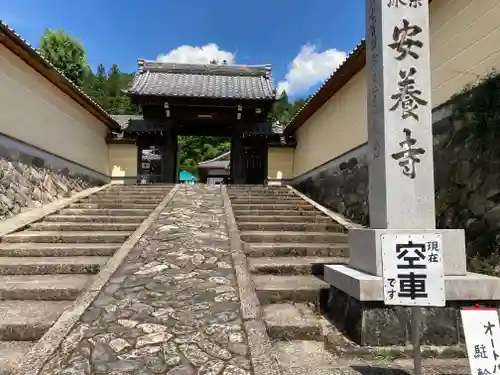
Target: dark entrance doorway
(210, 100)
(150, 165)
(255, 161)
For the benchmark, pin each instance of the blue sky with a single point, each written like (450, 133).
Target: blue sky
(303, 40)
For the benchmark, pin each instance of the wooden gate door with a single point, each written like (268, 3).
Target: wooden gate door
(255, 164)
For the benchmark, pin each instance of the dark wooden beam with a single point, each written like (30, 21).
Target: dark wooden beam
(214, 102)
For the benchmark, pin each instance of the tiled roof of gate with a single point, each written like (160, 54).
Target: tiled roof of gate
(156, 78)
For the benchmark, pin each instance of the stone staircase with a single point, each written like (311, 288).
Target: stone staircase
(287, 241)
(45, 267)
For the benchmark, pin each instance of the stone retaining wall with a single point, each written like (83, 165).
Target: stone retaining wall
(30, 178)
(467, 183)
(23, 187)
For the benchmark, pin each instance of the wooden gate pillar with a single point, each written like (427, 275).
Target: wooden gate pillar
(169, 156)
(237, 156)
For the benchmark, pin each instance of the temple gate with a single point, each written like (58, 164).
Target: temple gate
(202, 100)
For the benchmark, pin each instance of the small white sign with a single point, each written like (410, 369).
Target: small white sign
(482, 338)
(412, 269)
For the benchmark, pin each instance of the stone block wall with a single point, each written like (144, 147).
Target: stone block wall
(467, 180)
(27, 180)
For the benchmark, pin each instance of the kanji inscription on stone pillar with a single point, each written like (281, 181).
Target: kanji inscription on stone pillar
(399, 115)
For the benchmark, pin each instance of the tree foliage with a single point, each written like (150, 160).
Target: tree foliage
(65, 53)
(106, 88)
(284, 110)
(195, 149)
(479, 104)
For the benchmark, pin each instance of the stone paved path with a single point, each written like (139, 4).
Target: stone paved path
(172, 307)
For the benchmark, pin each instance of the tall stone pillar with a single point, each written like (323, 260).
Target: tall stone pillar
(401, 182)
(401, 168)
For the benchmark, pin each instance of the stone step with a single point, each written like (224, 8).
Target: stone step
(51, 226)
(57, 287)
(67, 237)
(309, 357)
(28, 249)
(244, 198)
(51, 265)
(263, 193)
(270, 200)
(257, 187)
(302, 237)
(135, 190)
(283, 249)
(94, 218)
(292, 265)
(127, 196)
(262, 189)
(289, 226)
(135, 200)
(299, 288)
(28, 320)
(106, 212)
(292, 321)
(302, 206)
(238, 212)
(143, 206)
(133, 194)
(284, 218)
(12, 354)
(156, 193)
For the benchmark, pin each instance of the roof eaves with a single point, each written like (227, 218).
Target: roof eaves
(352, 65)
(216, 158)
(39, 63)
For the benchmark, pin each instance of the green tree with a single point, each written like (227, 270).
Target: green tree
(196, 149)
(284, 110)
(65, 53)
(119, 102)
(107, 90)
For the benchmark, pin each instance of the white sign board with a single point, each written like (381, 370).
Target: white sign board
(482, 338)
(412, 269)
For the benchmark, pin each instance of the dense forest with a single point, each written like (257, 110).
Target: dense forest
(105, 86)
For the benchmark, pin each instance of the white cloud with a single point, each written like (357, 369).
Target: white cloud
(198, 55)
(310, 67)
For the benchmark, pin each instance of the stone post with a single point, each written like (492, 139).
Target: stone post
(401, 171)
(401, 186)
(401, 168)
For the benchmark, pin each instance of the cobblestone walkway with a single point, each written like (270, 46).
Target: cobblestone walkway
(172, 307)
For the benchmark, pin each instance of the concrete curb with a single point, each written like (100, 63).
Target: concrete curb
(342, 220)
(250, 306)
(23, 219)
(49, 343)
(262, 353)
